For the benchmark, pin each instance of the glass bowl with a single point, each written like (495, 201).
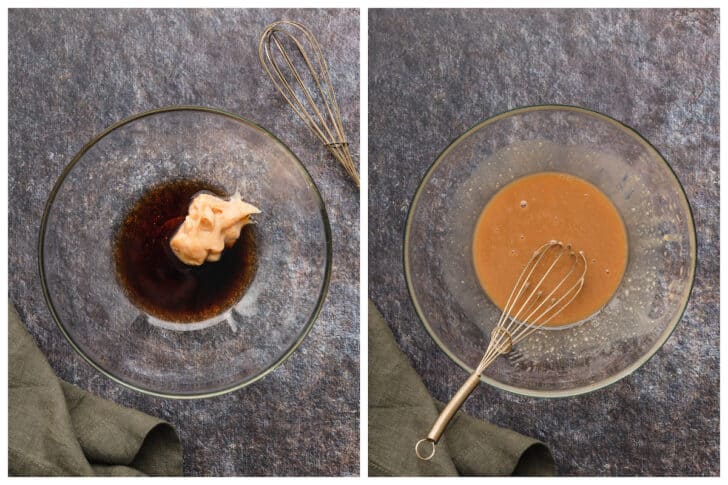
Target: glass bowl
(661, 236)
(184, 360)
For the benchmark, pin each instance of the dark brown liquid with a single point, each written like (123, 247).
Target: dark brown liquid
(159, 283)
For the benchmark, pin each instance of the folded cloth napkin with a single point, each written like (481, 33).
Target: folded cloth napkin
(55, 428)
(401, 411)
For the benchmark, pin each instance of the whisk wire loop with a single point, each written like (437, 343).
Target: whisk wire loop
(286, 89)
(508, 312)
(299, 78)
(318, 109)
(537, 321)
(527, 319)
(528, 304)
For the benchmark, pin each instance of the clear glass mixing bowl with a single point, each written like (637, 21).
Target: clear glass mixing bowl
(661, 236)
(91, 199)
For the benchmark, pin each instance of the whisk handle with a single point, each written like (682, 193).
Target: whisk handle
(452, 407)
(447, 414)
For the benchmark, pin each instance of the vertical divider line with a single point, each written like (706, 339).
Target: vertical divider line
(363, 241)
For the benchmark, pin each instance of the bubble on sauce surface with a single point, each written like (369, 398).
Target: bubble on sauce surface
(524, 204)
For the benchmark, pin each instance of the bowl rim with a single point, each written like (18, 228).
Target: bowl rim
(311, 319)
(614, 377)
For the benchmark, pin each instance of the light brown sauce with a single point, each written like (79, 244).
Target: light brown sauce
(535, 209)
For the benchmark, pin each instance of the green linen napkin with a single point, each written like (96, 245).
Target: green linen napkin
(55, 428)
(401, 411)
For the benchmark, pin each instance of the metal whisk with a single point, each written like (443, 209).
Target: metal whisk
(549, 282)
(317, 107)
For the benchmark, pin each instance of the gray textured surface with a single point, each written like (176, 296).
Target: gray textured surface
(434, 74)
(73, 73)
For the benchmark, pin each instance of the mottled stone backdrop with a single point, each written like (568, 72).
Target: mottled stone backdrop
(72, 73)
(434, 74)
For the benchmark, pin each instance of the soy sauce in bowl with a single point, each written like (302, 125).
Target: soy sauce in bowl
(156, 281)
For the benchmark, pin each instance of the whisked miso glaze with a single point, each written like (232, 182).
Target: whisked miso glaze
(156, 280)
(546, 206)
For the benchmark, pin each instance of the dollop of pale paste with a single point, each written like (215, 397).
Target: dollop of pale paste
(211, 225)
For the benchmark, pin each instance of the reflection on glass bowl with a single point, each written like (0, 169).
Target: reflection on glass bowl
(184, 360)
